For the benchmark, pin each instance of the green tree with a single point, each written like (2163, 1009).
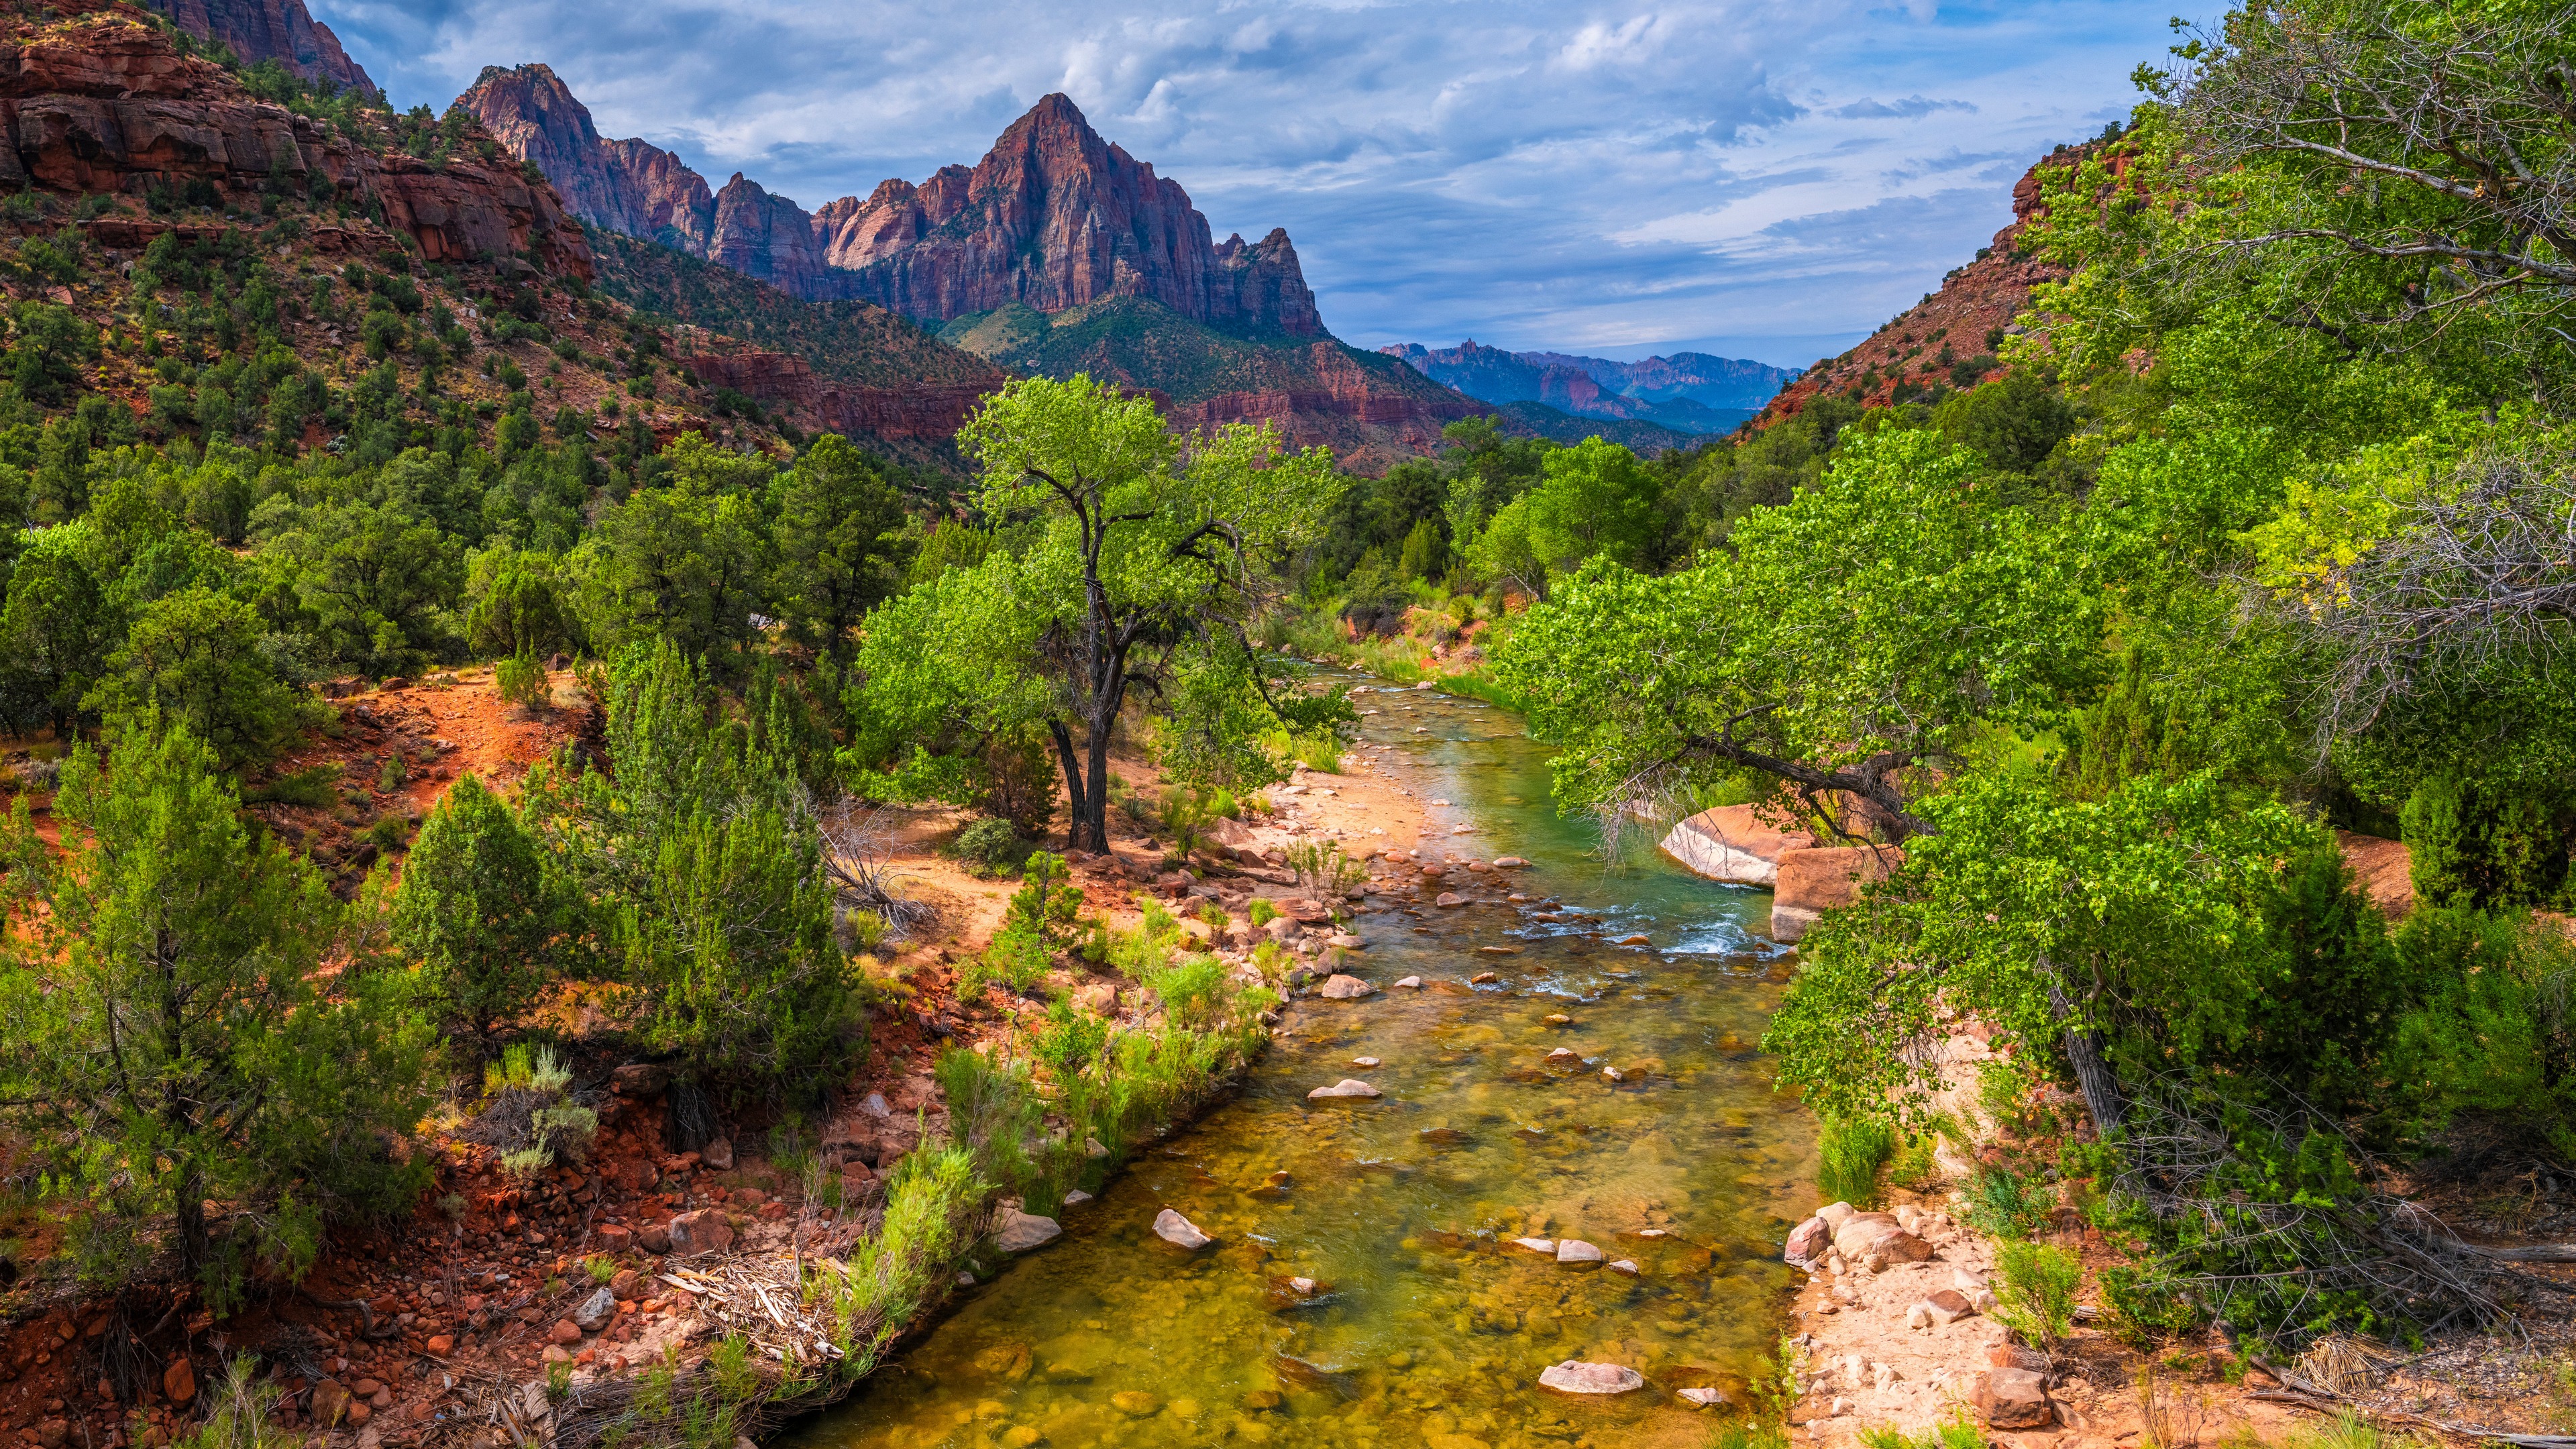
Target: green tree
(702, 856)
(162, 1027)
(689, 562)
(57, 629)
(481, 912)
(517, 606)
(196, 657)
(382, 584)
(840, 543)
(1147, 555)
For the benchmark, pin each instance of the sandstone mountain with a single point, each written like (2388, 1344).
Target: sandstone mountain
(1053, 217)
(279, 30)
(1948, 340)
(1688, 392)
(1058, 252)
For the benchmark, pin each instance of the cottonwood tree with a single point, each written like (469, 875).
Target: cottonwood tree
(1147, 555)
(165, 1030)
(1858, 639)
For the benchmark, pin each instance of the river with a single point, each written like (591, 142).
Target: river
(1427, 1327)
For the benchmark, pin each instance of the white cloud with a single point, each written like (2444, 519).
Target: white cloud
(1616, 174)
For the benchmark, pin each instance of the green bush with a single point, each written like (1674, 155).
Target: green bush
(1070, 1039)
(2005, 1204)
(1852, 1152)
(2036, 1297)
(2476, 843)
(2498, 1035)
(521, 680)
(991, 843)
(1017, 959)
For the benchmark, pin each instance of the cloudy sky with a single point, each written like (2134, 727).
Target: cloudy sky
(1761, 178)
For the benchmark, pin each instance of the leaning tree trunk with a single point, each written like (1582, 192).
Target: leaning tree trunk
(2084, 1053)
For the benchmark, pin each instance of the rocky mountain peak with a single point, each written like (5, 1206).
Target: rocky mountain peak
(279, 30)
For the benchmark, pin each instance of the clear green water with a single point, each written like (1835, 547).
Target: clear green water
(1431, 1330)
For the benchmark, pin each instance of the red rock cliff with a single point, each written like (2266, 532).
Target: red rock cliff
(633, 187)
(106, 103)
(279, 30)
(1053, 217)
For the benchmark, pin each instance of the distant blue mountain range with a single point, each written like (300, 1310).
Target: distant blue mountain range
(1689, 392)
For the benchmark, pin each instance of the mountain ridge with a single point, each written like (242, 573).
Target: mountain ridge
(1686, 392)
(279, 30)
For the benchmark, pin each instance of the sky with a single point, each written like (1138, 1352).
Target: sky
(1763, 178)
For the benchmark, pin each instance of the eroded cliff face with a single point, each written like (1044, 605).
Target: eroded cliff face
(1053, 217)
(633, 187)
(1977, 306)
(279, 30)
(106, 103)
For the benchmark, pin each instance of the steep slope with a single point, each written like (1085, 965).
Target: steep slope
(279, 30)
(1368, 410)
(1538, 420)
(1053, 222)
(1948, 340)
(849, 367)
(1688, 392)
(632, 187)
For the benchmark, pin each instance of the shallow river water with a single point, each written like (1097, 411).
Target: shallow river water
(1430, 1328)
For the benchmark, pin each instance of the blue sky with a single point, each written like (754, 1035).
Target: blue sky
(1764, 178)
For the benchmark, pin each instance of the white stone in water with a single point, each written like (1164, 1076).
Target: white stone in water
(1544, 1247)
(1303, 1287)
(1576, 1377)
(1564, 1057)
(1410, 983)
(1022, 1231)
(1704, 1398)
(1076, 1198)
(1575, 1250)
(1366, 1062)
(1346, 1087)
(1614, 1074)
(1346, 988)
(1627, 1266)
(1172, 1228)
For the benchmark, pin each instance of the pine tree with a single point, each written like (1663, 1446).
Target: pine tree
(165, 1030)
(481, 914)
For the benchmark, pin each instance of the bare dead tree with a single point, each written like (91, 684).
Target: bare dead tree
(2449, 144)
(858, 856)
(2477, 573)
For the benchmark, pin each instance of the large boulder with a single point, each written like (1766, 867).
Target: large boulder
(1022, 1231)
(1808, 1242)
(1179, 1231)
(702, 1231)
(1863, 1235)
(1346, 988)
(1812, 882)
(1576, 1377)
(2012, 1398)
(1733, 843)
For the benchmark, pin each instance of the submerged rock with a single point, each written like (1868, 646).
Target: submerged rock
(1179, 1231)
(1576, 1251)
(1022, 1231)
(1576, 1377)
(1346, 1087)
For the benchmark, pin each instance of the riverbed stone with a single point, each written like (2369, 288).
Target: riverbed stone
(1808, 1242)
(1409, 983)
(1577, 1377)
(1346, 988)
(1366, 1062)
(1544, 1247)
(1577, 1253)
(1508, 862)
(2012, 1398)
(1346, 942)
(1179, 1231)
(1136, 1403)
(1346, 1087)
(1449, 900)
(596, 1310)
(1021, 1231)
